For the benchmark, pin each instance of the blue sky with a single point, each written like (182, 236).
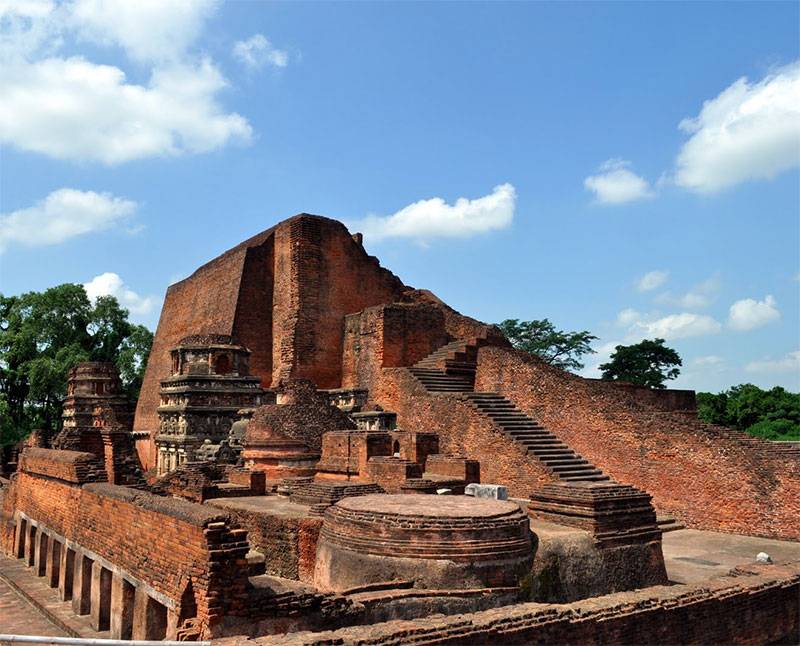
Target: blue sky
(626, 168)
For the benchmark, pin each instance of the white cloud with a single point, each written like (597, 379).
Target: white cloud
(789, 363)
(75, 109)
(679, 326)
(110, 284)
(62, 215)
(749, 131)
(748, 313)
(435, 218)
(652, 280)
(628, 317)
(257, 51)
(708, 361)
(148, 30)
(698, 297)
(674, 326)
(616, 184)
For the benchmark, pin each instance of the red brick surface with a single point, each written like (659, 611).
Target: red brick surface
(462, 430)
(708, 477)
(169, 544)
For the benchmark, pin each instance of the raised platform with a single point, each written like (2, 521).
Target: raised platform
(615, 514)
(445, 542)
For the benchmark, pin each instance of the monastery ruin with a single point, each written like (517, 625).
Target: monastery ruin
(321, 454)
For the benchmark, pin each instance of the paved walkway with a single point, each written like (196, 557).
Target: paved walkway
(18, 617)
(26, 589)
(692, 555)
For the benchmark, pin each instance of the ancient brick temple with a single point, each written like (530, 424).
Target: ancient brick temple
(326, 455)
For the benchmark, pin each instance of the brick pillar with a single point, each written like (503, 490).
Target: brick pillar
(53, 563)
(66, 573)
(100, 610)
(20, 536)
(82, 585)
(30, 547)
(149, 617)
(40, 562)
(122, 601)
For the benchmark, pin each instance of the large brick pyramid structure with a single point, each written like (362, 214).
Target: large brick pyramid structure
(308, 302)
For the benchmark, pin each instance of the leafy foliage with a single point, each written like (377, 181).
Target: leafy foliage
(648, 363)
(556, 347)
(770, 414)
(43, 335)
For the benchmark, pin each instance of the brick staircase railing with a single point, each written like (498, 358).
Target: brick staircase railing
(451, 370)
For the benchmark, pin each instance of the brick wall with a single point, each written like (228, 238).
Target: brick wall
(321, 275)
(397, 334)
(757, 606)
(708, 477)
(204, 303)
(166, 543)
(461, 430)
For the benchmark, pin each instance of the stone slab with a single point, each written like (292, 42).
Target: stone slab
(491, 491)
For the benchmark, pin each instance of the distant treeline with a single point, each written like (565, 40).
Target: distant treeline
(769, 414)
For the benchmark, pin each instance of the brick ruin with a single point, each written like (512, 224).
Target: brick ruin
(306, 433)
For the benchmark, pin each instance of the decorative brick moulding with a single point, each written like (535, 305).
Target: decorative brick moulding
(615, 514)
(438, 542)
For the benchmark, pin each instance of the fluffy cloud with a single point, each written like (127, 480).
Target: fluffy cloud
(110, 284)
(257, 51)
(72, 108)
(64, 214)
(698, 297)
(652, 280)
(750, 131)
(674, 326)
(148, 30)
(708, 361)
(789, 363)
(748, 313)
(435, 218)
(679, 326)
(616, 184)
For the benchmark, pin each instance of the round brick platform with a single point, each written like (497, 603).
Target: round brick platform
(439, 542)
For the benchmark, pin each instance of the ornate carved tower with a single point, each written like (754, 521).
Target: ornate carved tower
(210, 381)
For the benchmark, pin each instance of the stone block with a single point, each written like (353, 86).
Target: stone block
(495, 492)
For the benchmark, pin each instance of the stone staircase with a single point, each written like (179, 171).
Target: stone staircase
(451, 370)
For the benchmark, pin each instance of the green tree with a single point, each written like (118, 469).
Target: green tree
(648, 363)
(770, 414)
(713, 408)
(556, 347)
(42, 336)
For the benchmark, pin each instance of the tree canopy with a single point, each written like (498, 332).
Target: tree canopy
(45, 334)
(556, 347)
(770, 414)
(648, 363)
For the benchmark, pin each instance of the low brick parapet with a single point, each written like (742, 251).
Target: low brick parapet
(75, 467)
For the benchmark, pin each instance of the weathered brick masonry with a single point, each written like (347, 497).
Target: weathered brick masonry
(189, 553)
(462, 430)
(283, 294)
(759, 605)
(707, 476)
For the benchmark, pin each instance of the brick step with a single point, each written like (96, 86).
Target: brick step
(546, 443)
(558, 453)
(572, 468)
(530, 443)
(580, 470)
(537, 434)
(669, 524)
(437, 375)
(556, 465)
(597, 478)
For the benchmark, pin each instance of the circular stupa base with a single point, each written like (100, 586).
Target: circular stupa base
(438, 542)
